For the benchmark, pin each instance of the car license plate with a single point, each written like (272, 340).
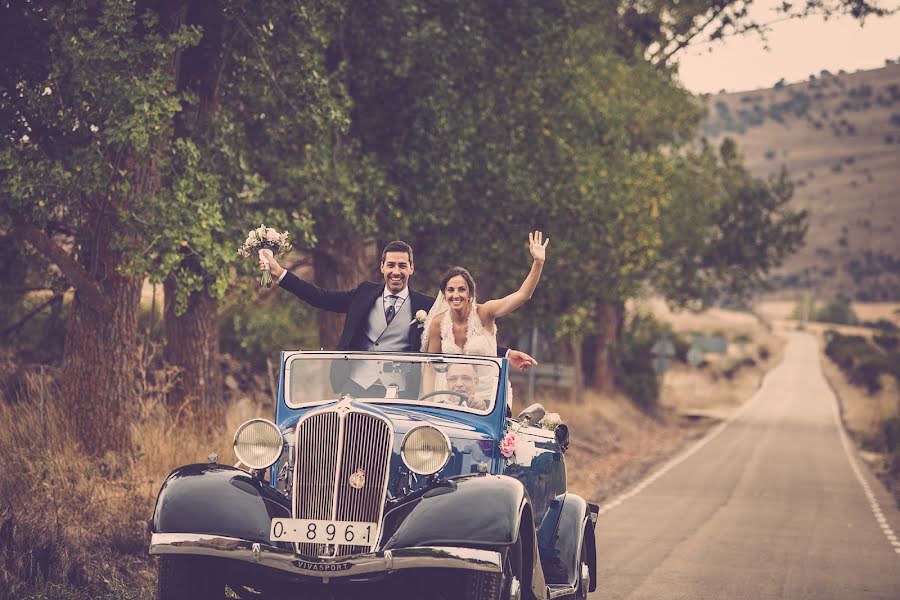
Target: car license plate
(357, 533)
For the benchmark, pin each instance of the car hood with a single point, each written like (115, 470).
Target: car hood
(471, 443)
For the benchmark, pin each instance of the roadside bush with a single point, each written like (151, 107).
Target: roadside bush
(838, 311)
(867, 371)
(861, 362)
(252, 328)
(736, 365)
(891, 432)
(763, 352)
(635, 375)
(888, 342)
(883, 325)
(843, 349)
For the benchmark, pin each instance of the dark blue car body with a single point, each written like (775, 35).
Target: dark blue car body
(469, 515)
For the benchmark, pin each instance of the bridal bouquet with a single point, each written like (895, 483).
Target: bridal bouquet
(261, 240)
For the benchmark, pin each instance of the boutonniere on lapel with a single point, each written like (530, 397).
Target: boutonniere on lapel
(420, 318)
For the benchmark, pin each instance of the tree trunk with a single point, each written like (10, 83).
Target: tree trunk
(192, 338)
(340, 267)
(101, 353)
(577, 392)
(192, 344)
(609, 316)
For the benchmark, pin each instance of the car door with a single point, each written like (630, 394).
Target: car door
(537, 462)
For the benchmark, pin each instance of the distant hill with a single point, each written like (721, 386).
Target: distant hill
(839, 137)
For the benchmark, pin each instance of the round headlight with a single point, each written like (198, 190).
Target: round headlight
(258, 443)
(425, 449)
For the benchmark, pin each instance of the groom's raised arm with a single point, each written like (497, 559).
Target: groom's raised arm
(316, 296)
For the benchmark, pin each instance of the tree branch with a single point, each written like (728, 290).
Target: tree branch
(18, 324)
(681, 44)
(84, 284)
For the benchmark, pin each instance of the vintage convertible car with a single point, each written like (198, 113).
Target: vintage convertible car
(425, 487)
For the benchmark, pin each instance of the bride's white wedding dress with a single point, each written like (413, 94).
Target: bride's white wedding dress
(479, 340)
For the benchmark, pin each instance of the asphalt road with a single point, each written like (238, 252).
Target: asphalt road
(771, 504)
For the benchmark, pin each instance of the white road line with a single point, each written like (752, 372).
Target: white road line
(711, 435)
(867, 490)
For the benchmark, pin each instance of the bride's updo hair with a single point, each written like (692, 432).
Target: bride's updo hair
(453, 272)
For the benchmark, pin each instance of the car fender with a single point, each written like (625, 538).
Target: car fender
(218, 500)
(569, 522)
(478, 510)
(481, 511)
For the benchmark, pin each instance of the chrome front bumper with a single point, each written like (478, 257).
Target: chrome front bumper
(445, 557)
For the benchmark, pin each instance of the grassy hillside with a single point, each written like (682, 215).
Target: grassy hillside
(839, 137)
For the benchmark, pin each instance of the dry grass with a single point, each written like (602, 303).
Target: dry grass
(76, 527)
(846, 181)
(865, 415)
(613, 443)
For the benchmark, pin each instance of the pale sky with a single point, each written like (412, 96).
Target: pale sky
(797, 48)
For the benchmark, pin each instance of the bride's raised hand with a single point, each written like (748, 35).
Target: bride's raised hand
(537, 245)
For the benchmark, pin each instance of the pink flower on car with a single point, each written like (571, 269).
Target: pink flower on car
(508, 444)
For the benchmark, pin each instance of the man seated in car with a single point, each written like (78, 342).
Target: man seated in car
(463, 379)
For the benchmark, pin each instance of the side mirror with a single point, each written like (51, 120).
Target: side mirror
(562, 436)
(532, 415)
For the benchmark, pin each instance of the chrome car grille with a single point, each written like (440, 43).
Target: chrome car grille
(331, 447)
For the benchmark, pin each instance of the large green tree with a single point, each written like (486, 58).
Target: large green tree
(254, 102)
(88, 99)
(121, 162)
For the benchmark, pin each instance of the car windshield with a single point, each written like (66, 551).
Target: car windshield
(462, 383)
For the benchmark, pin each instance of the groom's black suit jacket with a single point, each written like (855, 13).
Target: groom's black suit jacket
(357, 304)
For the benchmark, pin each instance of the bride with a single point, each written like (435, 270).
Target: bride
(457, 324)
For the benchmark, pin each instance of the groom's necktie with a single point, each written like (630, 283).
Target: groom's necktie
(391, 309)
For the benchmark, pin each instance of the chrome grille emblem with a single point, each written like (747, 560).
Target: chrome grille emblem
(358, 479)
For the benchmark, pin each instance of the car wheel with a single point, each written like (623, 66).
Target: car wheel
(498, 586)
(188, 578)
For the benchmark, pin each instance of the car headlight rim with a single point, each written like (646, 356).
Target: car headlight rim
(415, 464)
(258, 443)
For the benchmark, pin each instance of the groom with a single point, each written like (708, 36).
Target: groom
(379, 317)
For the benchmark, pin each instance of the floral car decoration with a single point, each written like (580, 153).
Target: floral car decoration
(383, 475)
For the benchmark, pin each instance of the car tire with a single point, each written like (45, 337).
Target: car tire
(498, 586)
(188, 578)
